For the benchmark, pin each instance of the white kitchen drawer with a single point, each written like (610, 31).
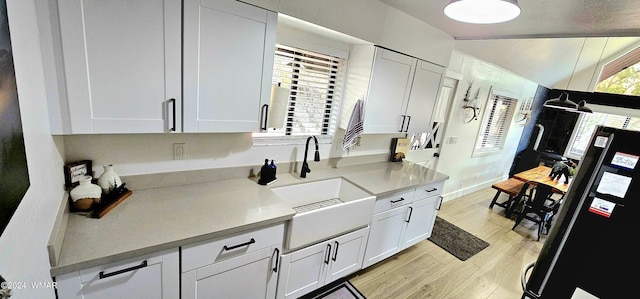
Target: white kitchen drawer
(429, 190)
(210, 252)
(394, 200)
(150, 276)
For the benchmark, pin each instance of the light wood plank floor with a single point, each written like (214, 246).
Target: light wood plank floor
(427, 271)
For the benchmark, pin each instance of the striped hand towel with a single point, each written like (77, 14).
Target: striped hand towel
(354, 128)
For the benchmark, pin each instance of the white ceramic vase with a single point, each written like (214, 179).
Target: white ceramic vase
(85, 194)
(109, 179)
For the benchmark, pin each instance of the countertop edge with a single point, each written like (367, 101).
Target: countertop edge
(60, 270)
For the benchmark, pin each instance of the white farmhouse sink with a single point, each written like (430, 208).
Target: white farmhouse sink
(325, 209)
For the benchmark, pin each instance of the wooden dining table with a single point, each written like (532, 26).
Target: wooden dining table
(540, 174)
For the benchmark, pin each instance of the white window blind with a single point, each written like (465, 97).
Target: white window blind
(495, 124)
(310, 88)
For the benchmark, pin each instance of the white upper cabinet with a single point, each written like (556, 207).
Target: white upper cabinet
(125, 70)
(399, 90)
(122, 65)
(228, 61)
(424, 93)
(389, 88)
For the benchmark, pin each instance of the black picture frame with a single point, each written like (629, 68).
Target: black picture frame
(75, 170)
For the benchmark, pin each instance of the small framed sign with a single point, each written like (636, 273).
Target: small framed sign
(74, 171)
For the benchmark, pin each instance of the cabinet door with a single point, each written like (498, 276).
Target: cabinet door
(424, 93)
(303, 270)
(153, 276)
(122, 65)
(385, 236)
(388, 91)
(253, 275)
(347, 254)
(420, 220)
(228, 62)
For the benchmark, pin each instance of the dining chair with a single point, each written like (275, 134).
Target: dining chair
(539, 208)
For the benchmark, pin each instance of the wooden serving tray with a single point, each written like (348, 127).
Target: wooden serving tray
(106, 207)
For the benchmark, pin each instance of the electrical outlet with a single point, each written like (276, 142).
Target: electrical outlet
(179, 151)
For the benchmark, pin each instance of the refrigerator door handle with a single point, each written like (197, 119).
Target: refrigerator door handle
(523, 277)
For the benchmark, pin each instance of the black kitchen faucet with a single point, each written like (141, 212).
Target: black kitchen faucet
(305, 166)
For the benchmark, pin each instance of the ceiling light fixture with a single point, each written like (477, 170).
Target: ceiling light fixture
(482, 11)
(563, 102)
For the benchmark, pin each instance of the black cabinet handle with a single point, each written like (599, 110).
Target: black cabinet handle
(265, 116)
(328, 256)
(225, 247)
(431, 190)
(410, 212)
(277, 253)
(335, 253)
(440, 205)
(397, 201)
(408, 122)
(173, 103)
(404, 117)
(102, 275)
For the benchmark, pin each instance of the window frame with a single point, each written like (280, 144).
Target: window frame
(484, 131)
(573, 153)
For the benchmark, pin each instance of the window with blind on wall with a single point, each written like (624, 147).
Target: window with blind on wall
(306, 94)
(495, 124)
(587, 124)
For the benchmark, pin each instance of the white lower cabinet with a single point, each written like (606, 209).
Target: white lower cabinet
(422, 216)
(151, 276)
(242, 266)
(394, 228)
(308, 269)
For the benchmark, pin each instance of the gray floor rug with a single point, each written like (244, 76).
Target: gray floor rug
(455, 240)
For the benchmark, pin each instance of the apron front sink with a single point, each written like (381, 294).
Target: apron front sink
(325, 209)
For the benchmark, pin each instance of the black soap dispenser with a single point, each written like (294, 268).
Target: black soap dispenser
(265, 172)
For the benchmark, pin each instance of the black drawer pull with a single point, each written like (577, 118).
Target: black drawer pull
(397, 201)
(408, 122)
(102, 275)
(328, 256)
(434, 189)
(239, 245)
(173, 102)
(335, 253)
(277, 253)
(410, 212)
(265, 116)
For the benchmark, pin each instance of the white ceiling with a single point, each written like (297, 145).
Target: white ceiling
(545, 43)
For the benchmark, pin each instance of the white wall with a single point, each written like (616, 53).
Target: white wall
(23, 244)
(372, 21)
(467, 173)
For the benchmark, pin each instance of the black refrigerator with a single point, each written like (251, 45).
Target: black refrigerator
(591, 250)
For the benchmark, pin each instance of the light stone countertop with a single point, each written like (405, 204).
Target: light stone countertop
(157, 219)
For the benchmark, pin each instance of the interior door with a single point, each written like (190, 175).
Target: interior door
(425, 147)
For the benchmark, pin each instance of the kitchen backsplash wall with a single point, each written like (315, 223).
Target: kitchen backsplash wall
(137, 154)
